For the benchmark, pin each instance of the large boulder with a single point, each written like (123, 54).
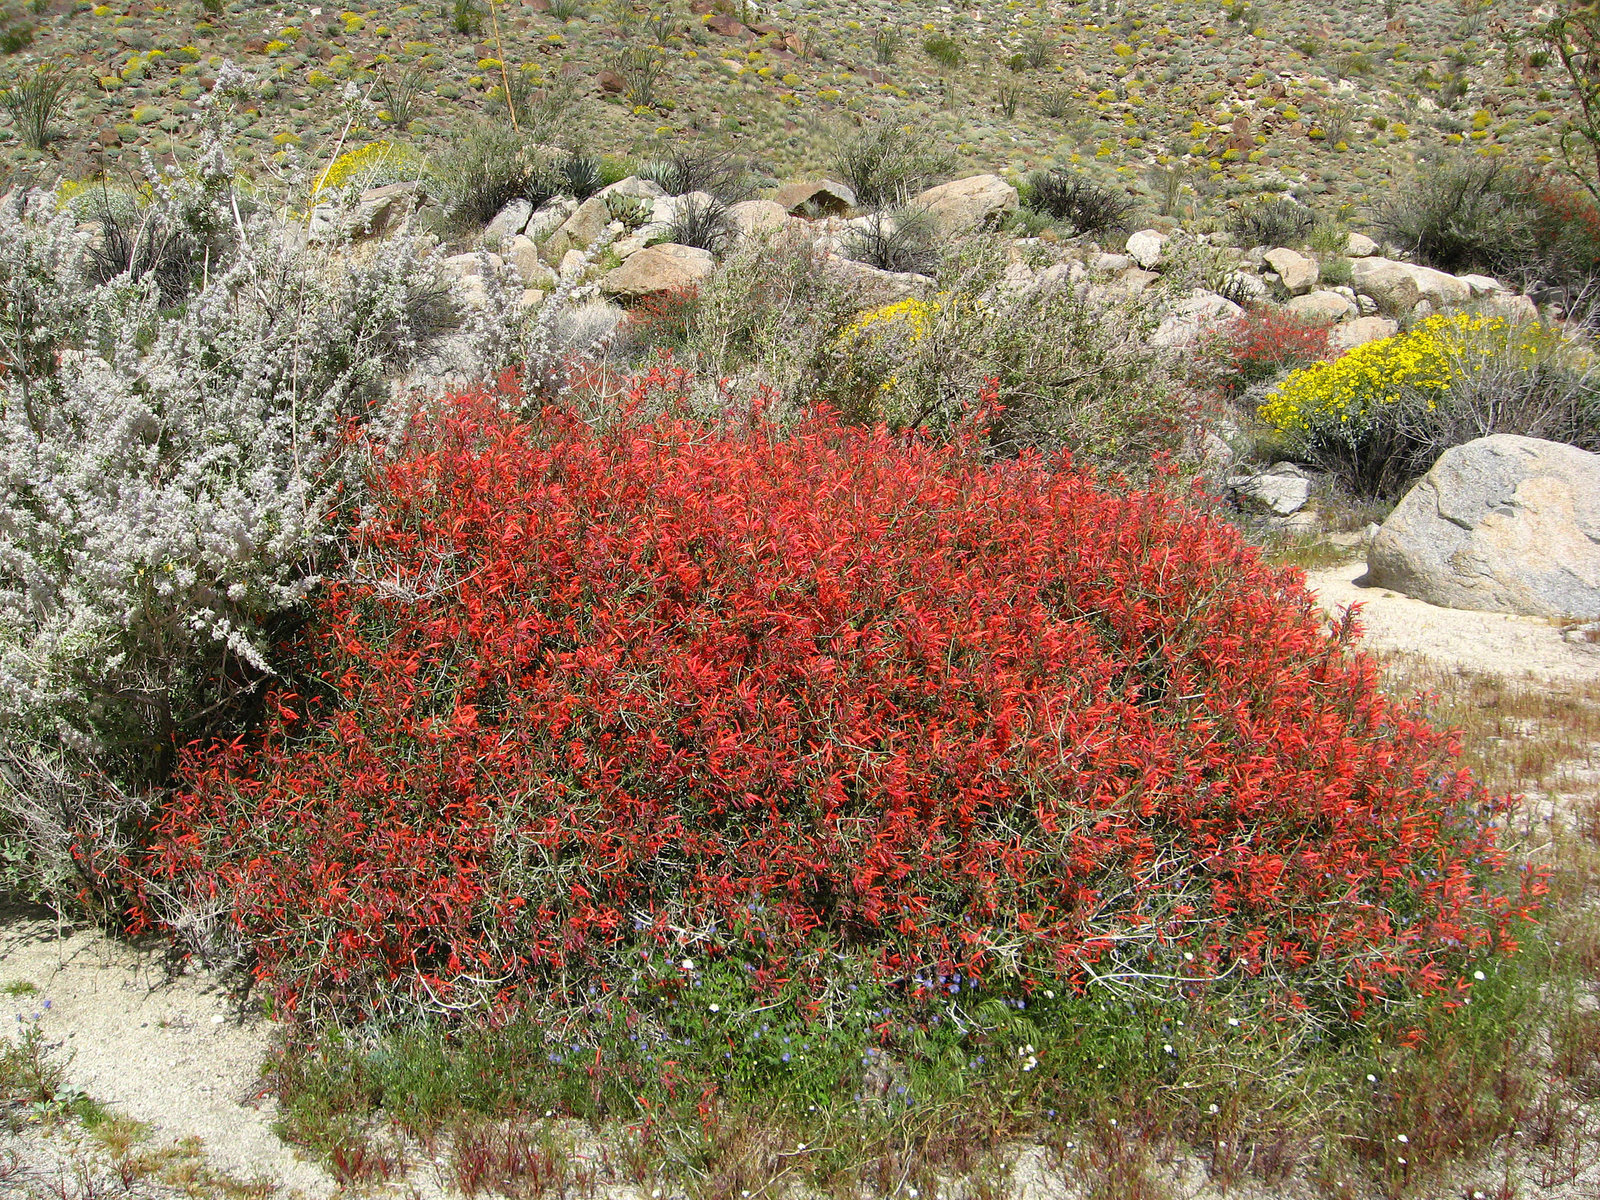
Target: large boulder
(1322, 306)
(1501, 524)
(824, 197)
(1359, 332)
(1299, 273)
(579, 231)
(755, 218)
(665, 268)
(1381, 278)
(970, 203)
(1182, 325)
(1387, 282)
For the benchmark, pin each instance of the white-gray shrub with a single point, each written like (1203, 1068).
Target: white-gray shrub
(173, 478)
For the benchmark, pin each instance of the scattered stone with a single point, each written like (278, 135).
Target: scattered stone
(573, 264)
(644, 236)
(1359, 245)
(475, 265)
(1359, 332)
(1440, 289)
(1181, 327)
(1133, 281)
(1110, 262)
(1282, 489)
(1482, 285)
(1298, 273)
(509, 221)
(646, 190)
(1247, 286)
(381, 211)
(1516, 308)
(1501, 524)
(665, 268)
(971, 203)
(524, 258)
(1324, 306)
(1145, 248)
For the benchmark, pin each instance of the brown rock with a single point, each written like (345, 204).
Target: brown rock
(726, 26)
(828, 197)
(611, 83)
(657, 269)
(971, 203)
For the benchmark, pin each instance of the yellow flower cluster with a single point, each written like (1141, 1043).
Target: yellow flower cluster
(910, 318)
(1353, 389)
(363, 164)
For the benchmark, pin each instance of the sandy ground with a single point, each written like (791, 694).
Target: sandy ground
(1490, 643)
(173, 1053)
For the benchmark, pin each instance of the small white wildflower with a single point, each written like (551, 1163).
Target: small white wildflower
(1479, 976)
(716, 1008)
(687, 964)
(1049, 995)
(1234, 1021)
(1372, 1079)
(1168, 1048)
(1402, 1139)
(1213, 1110)
(1401, 1161)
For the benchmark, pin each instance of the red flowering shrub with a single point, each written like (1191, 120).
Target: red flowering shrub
(823, 706)
(1258, 346)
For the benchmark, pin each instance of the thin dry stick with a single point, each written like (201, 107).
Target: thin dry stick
(505, 78)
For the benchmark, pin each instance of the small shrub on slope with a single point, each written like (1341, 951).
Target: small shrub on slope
(1255, 347)
(812, 712)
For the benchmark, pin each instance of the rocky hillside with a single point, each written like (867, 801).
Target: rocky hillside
(1185, 103)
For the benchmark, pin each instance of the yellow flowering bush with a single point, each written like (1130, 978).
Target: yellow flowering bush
(1357, 388)
(1379, 414)
(368, 166)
